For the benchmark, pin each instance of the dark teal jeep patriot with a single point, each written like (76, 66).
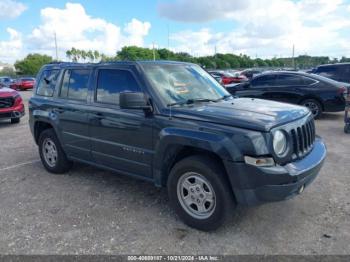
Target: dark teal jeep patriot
(172, 124)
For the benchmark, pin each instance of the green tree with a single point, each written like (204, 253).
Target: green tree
(136, 53)
(7, 71)
(32, 64)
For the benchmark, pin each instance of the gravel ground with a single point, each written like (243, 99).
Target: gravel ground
(91, 211)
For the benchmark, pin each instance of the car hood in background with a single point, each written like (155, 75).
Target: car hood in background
(250, 113)
(6, 92)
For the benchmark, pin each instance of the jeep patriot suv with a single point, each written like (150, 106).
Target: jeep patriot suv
(172, 124)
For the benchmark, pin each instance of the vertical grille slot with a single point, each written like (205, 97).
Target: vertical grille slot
(303, 138)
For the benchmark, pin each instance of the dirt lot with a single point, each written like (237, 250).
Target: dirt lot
(91, 211)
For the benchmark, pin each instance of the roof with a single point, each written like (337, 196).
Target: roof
(337, 64)
(284, 72)
(72, 64)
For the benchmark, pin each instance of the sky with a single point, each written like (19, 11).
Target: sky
(263, 28)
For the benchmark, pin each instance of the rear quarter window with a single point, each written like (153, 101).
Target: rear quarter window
(47, 83)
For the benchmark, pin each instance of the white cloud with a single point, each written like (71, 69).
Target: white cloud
(75, 28)
(11, 48)
(11, 9)
(137, 30)
(266, 27)
(200, 10)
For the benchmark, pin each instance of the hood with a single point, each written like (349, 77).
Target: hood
(6, 92)
(250, 113)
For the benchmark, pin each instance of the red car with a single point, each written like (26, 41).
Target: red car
(24, 83)
(11, 105)
(228, 78)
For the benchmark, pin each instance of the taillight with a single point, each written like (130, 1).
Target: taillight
(343, 91)
(226, 80)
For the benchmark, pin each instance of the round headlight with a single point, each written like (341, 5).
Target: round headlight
(279, 143)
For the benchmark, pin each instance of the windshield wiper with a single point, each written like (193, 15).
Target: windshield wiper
(192, 101)
(223, 98)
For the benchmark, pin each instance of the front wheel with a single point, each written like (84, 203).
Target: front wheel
(314, 106)
(199, 193)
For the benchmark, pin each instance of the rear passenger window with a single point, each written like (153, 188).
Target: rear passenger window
(47, 83)
(288, 80)
(75, 84)
(266, 80)
(111, 82)
(308, 81)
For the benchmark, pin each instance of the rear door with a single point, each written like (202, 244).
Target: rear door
(258, 87)
(72, 111)
(121, 138)
(287, 88)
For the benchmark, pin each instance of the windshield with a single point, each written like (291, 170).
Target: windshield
(181, 83)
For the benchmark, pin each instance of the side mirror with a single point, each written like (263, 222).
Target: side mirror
(133, 100)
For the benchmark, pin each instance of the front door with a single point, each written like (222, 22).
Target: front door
(121, 139)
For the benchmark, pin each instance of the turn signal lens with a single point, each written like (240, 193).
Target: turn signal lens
(262, 161)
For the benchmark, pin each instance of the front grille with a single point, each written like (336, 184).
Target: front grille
(303, 138)
(6, 102)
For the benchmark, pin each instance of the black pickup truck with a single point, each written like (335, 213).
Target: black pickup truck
(172, 124)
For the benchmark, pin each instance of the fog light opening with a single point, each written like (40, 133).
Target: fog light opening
(301, 189)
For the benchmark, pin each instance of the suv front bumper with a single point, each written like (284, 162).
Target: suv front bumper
(254, 185)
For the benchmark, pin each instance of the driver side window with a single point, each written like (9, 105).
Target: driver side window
(112, 82)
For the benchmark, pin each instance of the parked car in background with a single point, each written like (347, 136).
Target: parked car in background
(318, 93)
(339, 72)
(11, 105)
(24, 83)
(5, 81)
(228, 78)
(173, 125)
(250, 73)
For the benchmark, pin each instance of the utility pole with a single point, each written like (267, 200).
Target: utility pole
(154, 53)
(168, 38)
(293, 59)
(56, 47)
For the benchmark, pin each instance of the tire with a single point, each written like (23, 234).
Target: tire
(51, 153)
(206, 173)
(15, 120)
(347, 129)
(314, 106)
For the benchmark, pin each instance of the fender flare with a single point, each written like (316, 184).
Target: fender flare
(172, 140)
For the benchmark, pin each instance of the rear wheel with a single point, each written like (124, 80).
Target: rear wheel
(51, 153)
(199, 193)
(15, 120)
(314, 106)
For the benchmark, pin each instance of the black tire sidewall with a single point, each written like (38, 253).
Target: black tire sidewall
(214, 174)
(318, 105)
(62, 164)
